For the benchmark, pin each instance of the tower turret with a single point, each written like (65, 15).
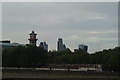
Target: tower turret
(32, 39)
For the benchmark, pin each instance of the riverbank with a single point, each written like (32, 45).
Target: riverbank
(32, 74)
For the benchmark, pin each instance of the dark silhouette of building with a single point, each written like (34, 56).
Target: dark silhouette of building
(5, 41)
(44, 45)
(83, 47)
(32, 39)
(41, 45)
(60, 45)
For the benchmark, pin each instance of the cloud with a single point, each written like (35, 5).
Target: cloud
(102, 32)
(72, 37)
(78, 22)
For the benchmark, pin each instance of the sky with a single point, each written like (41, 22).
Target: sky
(92, 23)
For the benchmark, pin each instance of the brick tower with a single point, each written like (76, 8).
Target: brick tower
(32, 39)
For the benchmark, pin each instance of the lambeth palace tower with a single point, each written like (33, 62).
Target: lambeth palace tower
(32, 39)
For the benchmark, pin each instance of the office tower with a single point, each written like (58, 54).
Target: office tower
(60, 45)
(32, 39)
(41, 45)
(44, 45)
(83, 47)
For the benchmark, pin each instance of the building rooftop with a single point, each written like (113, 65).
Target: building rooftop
(11, 44)
(33, 33)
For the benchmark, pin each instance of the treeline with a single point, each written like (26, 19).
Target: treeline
(24, 57)
(32, 56)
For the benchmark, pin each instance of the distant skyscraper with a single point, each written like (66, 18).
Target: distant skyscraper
(44, 45)
(60, 45)
(41, 45)
(32, 39)
(83, 47)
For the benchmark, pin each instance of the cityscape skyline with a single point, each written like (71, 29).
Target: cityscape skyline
(94, 24)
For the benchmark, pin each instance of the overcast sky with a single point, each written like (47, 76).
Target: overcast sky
(92, 23)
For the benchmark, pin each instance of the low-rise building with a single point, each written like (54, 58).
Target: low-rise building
(6, 44)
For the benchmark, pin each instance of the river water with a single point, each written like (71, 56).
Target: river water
(62, 79)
